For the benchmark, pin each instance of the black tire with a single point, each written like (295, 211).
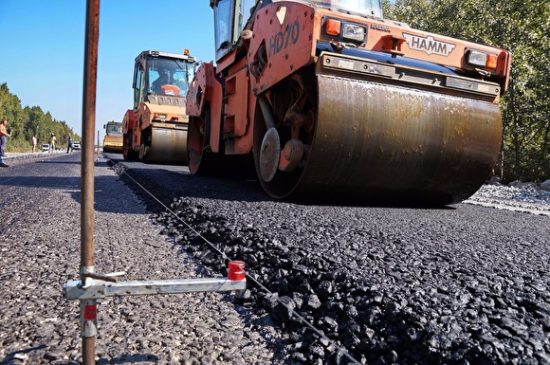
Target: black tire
(203, 162)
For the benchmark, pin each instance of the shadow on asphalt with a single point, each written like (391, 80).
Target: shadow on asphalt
(130, 359)
(171, 181)
(168, 185)
(11, 359)
(105, 199)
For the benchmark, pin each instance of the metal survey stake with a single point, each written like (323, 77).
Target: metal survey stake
(88, 308)
(94, 286)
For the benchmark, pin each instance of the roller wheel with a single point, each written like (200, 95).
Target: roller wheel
(127, 152)
(269, 141)
(203, 162)
(145, 146)
(143, 149)
(373, 141)
(197, 148)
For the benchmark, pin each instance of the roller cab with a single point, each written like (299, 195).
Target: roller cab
(331, 100)
(112, 142)
(155, 130)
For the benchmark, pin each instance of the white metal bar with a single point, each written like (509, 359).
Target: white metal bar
(99, 289)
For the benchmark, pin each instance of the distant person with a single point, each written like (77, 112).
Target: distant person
(163, 79)
(52, 143)
(34, 141)
(3, 140)
(69, 144)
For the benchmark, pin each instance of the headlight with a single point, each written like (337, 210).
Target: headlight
(353, 32)
(345, 31)
(482, 59)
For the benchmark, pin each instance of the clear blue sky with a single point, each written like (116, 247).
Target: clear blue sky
(42, 49)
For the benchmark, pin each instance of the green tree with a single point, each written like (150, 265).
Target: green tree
(521, 27)
(28, 121)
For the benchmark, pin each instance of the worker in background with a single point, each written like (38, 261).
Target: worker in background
(52, 143)
(69, 144)
(163, 79)
(3, 140)
(34, 141)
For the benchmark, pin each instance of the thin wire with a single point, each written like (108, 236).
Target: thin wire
(111, 251)
(264, 288)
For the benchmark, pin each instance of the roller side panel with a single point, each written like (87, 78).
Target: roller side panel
(206, 92)
(282, 43)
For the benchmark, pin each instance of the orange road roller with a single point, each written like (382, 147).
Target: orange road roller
(112, 142)
(329, 99)
(155, 130)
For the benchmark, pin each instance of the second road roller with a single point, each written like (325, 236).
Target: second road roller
(155, 130)
(112, 142)
(329, 99)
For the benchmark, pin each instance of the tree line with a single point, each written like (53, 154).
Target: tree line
(522, 27)
(24, 122)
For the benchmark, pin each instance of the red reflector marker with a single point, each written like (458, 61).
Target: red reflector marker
(90, 312)
(235, 271)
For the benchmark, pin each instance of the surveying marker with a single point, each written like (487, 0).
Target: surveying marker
(97, 286)
(93, 286)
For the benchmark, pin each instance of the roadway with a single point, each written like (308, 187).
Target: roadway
(460, 284)
(39, 252)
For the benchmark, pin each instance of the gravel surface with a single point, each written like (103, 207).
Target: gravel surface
(459, 285)
(39, 252)
(526, 198)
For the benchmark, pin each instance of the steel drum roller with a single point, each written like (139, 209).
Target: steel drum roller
(381, 141)
(168, 146)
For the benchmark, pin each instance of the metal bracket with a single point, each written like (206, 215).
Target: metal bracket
(98, 286)
(100, 289)
(95, 286)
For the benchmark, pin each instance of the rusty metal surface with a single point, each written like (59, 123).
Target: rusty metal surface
(378, 141)
(88, 132)
(87, 169)
(168, 145)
